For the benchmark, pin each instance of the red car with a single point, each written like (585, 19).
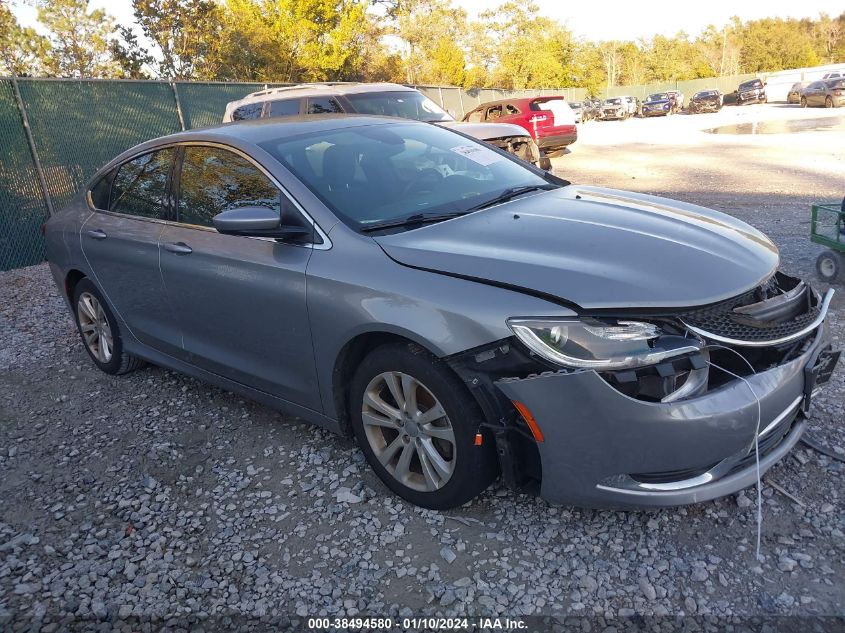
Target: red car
(549, 120)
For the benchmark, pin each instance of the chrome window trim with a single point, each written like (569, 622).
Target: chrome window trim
(784, 339)
(326, 245)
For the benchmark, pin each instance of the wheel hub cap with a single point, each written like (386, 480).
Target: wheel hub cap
(96, 331)
(408, 431)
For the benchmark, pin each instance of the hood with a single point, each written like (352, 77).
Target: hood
(485, 131)
(596, 248)
(706, 98)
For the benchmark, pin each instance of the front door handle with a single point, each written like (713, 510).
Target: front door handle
(180, 248)
(97, 234)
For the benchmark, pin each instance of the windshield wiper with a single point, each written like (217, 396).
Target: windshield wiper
(511, 193)
(417, 219)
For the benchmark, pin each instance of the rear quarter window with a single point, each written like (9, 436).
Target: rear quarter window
(247, 112)
(283, 107)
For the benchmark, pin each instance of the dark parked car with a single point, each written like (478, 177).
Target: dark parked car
(794, 94)
(753, 91)
(460, 312)
(829, 94)
(657, 104)
(549, 120)
(705, 101)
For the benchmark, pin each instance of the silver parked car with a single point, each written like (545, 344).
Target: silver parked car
(464, 314)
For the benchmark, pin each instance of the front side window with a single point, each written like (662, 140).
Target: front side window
(283, 107)
(494, 113)
(247, 112)
(323, 105)
(213, 180)
(405, 104)
(370, 174)
(140, 185)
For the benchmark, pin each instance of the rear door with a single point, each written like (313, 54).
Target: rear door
(120, 242)
(240, 300)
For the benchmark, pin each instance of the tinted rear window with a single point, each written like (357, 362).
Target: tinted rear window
(247, 112)
(140, 185)
(323, 105)
(283, 107)
(751, 84)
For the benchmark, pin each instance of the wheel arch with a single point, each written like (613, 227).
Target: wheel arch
(72, 278)
(351, 355)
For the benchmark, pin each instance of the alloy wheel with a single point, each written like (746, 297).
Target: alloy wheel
(95, 327)
(828, 102)
(409, 431)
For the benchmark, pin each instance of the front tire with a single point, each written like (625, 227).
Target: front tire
(828, 102)
(803, 102)
(100, 332)
(416, 424)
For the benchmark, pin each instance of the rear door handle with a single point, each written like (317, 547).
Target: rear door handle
(97, 234)
(180, 248)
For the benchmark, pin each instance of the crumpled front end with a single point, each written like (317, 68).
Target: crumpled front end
(681, 430)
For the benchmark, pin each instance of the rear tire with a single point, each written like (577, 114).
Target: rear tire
(803, 102)
(828, 102)
(396, 399)
(829, 266)
(100, 332)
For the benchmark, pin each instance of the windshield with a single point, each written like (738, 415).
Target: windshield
(751, 84)
(658, 96)
(613, 102)
(705, 93)
(402, 104)
(377, 173)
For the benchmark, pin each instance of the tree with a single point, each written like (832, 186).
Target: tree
(829, 33)
(22, 50)
(131, 58)
(186, 34)
(79, 38)
(296, 40)
(773, 44)
(531, 51)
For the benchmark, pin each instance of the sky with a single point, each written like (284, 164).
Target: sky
(597, 20)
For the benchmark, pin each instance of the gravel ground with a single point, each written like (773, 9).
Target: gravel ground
(153, 497)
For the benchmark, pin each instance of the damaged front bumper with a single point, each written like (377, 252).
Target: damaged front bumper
(602, 448)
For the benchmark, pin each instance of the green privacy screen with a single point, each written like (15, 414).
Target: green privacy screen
(22, 208)
(77, 126)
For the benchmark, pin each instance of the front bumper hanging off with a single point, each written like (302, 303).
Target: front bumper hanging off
(603, 448)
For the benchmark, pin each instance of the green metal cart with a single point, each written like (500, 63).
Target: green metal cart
(827, 227)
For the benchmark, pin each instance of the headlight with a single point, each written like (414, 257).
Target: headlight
(594, 344)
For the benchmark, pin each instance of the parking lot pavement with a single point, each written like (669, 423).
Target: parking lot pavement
(154, 495)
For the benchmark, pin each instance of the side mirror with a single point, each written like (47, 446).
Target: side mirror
(256, 222)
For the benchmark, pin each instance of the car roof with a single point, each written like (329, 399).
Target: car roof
(520, 100)
(319, 89)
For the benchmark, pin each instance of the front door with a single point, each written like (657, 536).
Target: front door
(120, 242)
(240, 300)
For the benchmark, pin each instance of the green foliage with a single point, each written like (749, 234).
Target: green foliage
(186, 34)
(21, 49)
(79, 39)
(410, 41)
